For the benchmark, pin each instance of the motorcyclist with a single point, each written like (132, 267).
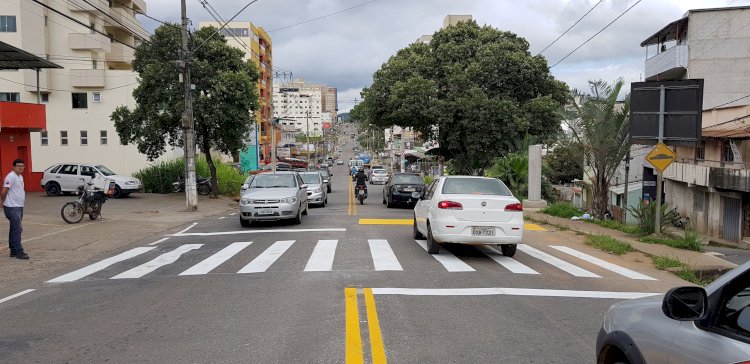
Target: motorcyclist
(353, 172)
(360, 179)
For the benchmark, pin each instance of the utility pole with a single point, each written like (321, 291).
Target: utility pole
(191, 193)
(625, 196)
(273, 144)
(307, 137)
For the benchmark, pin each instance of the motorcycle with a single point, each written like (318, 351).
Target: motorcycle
(202, 184)
(90, 201)
(679, 220)
(361, 194)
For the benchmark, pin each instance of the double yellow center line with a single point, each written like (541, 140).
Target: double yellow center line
(352, 205)
(354, 353)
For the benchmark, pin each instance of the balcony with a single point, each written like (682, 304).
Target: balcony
(87, 78)
(120, 53)
(730, 179)
(709, 176)
(688, 173)
(124, 20)
(88, 41)
(139, 5)
(668, 65)
(91, 6)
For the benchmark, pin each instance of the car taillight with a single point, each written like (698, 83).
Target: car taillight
(451, 205)
(514, 207)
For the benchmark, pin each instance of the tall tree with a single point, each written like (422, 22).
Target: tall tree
(225, 96)
(564, 162)
(600, 126)
(474, 89)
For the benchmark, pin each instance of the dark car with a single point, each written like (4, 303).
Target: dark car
(400, 187)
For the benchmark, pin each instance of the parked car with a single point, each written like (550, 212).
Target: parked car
(274, 196)
(468, 210)
(378, 176)
(66, 178)
(327, 178)
(400, 187)
(339, 162)
(316, 188)
(686, 325)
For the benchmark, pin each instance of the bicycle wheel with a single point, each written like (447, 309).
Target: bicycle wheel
(72, 212)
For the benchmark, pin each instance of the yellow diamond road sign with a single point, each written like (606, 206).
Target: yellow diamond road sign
(661, 157)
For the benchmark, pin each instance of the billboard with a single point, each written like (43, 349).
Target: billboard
(282, 152)
(683, 111)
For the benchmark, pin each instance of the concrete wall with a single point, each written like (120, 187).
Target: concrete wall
(708, 221)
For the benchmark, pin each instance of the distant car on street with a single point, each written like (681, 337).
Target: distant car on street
(339, 162)
(316, 188)
(66, 177)
(274, 196)
(327, 178)
(378, 176)
(400, 188)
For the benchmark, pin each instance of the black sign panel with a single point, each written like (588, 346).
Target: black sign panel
(683, 111)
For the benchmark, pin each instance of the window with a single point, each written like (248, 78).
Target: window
(45, 97)
(730, 320)
(8, 23)
(45, 138)
(56, 168)
(699, 199)
(726, 152)
(93, 28)
(79, 100)
(84, 137)
(63, 137)
(700, 151)
(103, 137)
(69, 169)
(93, 64)
(475, 186)
(96, 97)
(10, 96)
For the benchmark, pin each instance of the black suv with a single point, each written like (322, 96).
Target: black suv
(400, 187)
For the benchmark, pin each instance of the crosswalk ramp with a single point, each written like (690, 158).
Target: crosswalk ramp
(148, 261)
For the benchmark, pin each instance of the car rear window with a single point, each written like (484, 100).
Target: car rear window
(407, 179)
(313, 178)
(475, 186)
(379, 171)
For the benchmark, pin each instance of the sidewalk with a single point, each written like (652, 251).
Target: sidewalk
(54, 244)
(698, 261)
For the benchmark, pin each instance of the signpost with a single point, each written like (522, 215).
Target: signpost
(661, 157)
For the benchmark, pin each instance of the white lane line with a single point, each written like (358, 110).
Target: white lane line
(216, 260)
(19, 294)
(101, 265)
(603, 263)
(158, 262)
(447, 259)
(509, 292)
(232, 214)
(186, 229)
(159, 241)
(262, 231)
(222, 218)
(321, 259)
(507, 262)
(382, 255)
(557, 262)
(268, 257)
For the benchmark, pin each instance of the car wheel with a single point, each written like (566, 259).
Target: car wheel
(298, 219)
(305, 211)
(384, 201)
(245, 223)
(432, 246)
(329, 189)
(508, 250)
(52, 189)
(417, 234)
(389, 204)
(118, 192)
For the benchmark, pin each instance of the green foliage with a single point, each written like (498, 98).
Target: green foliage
(608, 244)
(513, 169)
(564, 163)
(684, 272)
(230, 179)
(158, 177)
(646, 215)
(616, 225)
(562, 209)
(428, 179)
(690, 241)
(480, 86)
(664, 263)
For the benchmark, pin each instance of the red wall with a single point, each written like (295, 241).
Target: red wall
(16, 121)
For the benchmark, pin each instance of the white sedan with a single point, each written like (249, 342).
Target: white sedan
(468, 210)
(379, 176)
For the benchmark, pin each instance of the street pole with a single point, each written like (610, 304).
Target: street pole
(273, 144)
(625, 197)
(191, 193)
(307, 138)
(662, 97)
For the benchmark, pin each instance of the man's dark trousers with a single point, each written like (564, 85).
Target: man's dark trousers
(14, 215)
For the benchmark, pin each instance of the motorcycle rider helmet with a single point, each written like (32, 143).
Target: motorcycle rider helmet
(360, 169)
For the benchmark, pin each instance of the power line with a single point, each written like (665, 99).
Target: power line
(571, 27)
(215, 14)
(222, 27)
(51, 89)
(324, 16)
(113, 19)
(597, 33)
(144, 14)
(727, 103)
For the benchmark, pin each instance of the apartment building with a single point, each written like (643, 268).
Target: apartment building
(330, 104)
(257, 45)
(94, 41)
(710, 183)
(301, 105)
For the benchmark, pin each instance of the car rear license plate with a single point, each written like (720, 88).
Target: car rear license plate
(265, 212)
(361, 192)
(483, 231)
(409, 189)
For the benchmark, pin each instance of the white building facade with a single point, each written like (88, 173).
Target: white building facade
(300, 105)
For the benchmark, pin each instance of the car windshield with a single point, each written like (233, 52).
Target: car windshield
(273, 181)
(249, 179)
(311, 178)
(407, 179)
(475, 186)
(105, 171)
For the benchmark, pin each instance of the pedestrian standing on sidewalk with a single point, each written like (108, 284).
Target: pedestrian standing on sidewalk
(13, 197)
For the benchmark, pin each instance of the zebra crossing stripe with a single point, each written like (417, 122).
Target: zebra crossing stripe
(321, 259)
(158, 262)
(268, 257)
(557, 262)
(217, 259)
(383, 257)
(101, 265)
(604, 264)
(507, 262)
(447, 259)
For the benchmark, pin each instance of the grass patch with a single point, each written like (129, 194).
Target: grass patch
(690, 241)
(608, 244)
(689, 275)
(664, 263)
(616, 225)
(684, 272)
(562, 209)
(158, 177)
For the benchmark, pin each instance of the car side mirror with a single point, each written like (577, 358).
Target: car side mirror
(685, 303)
(417, 195)
(325, 181)
(303, 186)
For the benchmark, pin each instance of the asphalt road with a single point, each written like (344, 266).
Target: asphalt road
(330, 290)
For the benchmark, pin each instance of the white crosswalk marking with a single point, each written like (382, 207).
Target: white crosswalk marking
(383, 257)
(447, 259)
(98, 266)
(507, 262)
(268, 257)
(557, 262)
(215, 260)
(158, 262)
(321, 259)
(604, 264)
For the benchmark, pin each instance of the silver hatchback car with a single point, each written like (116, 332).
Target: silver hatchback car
(274, 196)
(686, 325)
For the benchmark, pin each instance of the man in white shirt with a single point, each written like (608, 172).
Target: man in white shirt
(13, 197)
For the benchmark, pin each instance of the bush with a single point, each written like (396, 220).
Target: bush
(664, 263)
(428, 179)
(229, 178)
(608, 244)
(646, 215)
(158, 177)
(562, 209)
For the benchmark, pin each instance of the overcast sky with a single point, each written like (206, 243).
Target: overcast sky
(344, 50)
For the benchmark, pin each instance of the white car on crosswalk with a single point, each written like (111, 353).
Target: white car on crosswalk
(468, 210)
